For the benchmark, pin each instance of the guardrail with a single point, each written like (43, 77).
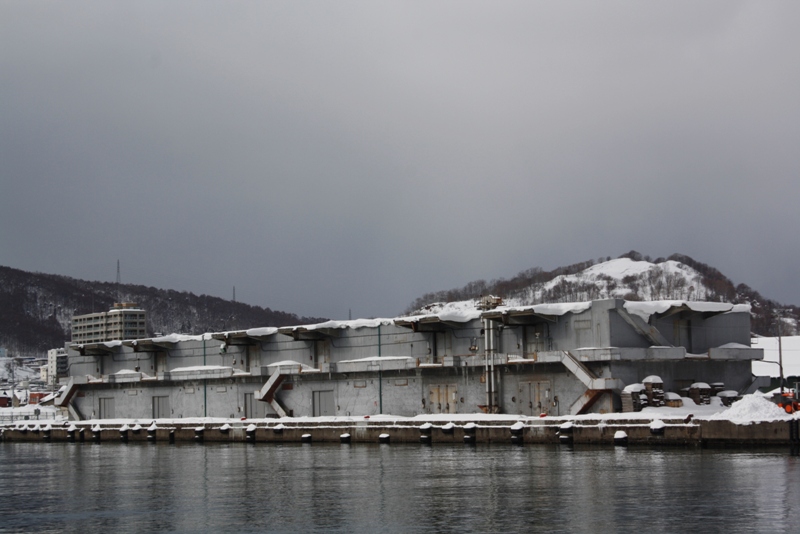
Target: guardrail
(12, 418)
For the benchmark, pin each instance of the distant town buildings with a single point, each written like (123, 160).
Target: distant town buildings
(124, 321)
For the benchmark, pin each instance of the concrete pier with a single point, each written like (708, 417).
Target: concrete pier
(673, 432)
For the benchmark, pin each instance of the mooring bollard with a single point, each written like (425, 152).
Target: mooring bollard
(657, 427)
(344, 438)
(517, 430)
(469, 433)
(620, 438)
(198, 434)
(565, 433)
(425, 433)
(305, 438)
(250, 433)
(384, 438)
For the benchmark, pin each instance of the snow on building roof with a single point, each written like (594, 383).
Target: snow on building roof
(378, 359)
(262, 332)
(287, 363)
(645, 309)
(558, 308)
(451, 314)
(200, 368)
(634, 388)
(459, 312)
(175, 338)
(333, 325)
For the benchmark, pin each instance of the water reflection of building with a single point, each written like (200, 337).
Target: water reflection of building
(554, 359)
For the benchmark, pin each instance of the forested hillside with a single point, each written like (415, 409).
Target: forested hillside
(36, 309)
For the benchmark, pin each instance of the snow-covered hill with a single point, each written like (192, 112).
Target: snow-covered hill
(631, 277)
(620, 278)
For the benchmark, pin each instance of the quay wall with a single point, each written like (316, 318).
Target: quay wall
(675, 433)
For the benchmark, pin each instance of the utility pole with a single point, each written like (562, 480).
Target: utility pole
(780, 348)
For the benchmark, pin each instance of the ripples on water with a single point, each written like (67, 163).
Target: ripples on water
(393, 488)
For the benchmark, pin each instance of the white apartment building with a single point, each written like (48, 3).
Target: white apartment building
(124, 321)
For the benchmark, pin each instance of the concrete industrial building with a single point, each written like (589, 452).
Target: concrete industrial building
(124, 321)
(554, 359)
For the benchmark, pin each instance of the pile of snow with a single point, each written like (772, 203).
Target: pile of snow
(752, 409)
(459, 312)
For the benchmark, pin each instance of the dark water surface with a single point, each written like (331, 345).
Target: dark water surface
(393, 488)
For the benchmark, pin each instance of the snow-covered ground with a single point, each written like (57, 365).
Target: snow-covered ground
(46, 413)
(750, 409)
(20, 373)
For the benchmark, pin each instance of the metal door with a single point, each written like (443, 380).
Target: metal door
(323, 403)
(161, 362)
(451, 393)
(252, 408)
(525, 403)
(439, 347)
(542, 397)
(535, 339)
(443, 398)
(161, 409)
(107, 408)
(322, 352)
(434, 403)
(682, 334)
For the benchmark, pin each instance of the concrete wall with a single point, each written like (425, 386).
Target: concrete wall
(421, 384)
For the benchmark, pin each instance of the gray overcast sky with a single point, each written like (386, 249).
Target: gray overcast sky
(326, 156)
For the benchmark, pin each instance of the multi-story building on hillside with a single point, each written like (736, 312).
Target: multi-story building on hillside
(124, 321)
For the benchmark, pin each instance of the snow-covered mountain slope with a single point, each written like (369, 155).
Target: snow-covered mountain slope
(620, 278)
(630, 277)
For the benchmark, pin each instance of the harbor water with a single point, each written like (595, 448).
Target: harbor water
(111, 487)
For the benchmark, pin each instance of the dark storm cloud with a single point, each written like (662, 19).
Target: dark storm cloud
(328, 156)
